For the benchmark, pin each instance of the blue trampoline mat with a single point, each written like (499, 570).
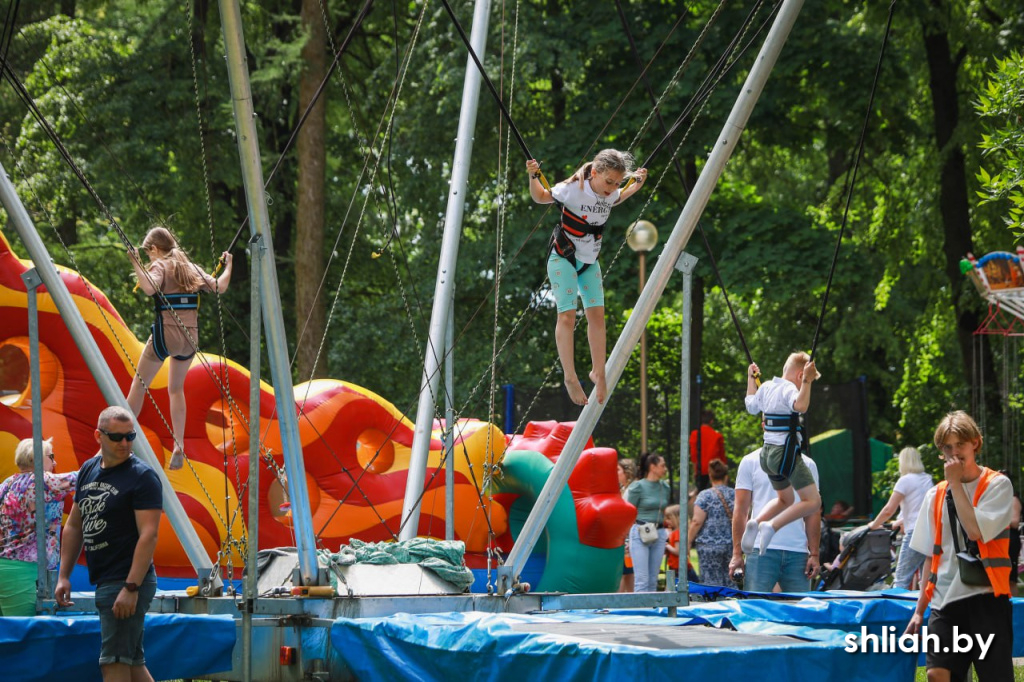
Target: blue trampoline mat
(67, 648)
(800, 640)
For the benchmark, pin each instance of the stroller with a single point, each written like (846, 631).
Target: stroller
(866, 560)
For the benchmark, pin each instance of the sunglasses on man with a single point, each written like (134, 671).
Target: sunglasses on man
(118, 437)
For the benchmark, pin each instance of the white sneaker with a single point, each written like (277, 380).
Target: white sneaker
(749, 537)
(766, 533)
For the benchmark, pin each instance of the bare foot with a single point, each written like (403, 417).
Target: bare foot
(599, 386)
(177, 460)
(576, 392)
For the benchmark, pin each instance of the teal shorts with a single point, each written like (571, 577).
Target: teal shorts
(771, 459)
(567, 283)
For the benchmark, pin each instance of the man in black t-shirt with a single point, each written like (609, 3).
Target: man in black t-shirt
(115, 518)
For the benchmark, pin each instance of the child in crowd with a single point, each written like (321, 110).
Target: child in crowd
(586, 200)
(672, 546)
(782, 400)
(627, 474)
(174, 282)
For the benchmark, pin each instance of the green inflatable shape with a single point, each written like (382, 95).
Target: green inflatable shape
(570, 565)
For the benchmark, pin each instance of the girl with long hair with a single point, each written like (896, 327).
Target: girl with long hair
(174, 282)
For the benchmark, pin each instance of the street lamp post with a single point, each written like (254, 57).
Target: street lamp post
(642, 237)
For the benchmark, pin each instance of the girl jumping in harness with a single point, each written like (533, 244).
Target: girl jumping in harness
(586, 200)
(782, 400)
(174, 282)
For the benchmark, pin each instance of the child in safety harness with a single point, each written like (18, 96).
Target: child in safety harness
(783, 402)
(174, 282)
(586, 200)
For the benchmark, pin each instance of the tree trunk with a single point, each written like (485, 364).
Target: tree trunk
(67, 228)
(309, 219)
(953, 204)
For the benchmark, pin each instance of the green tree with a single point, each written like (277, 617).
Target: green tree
(1000, 107)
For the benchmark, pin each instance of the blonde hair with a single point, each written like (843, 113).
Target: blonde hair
(628, 468)
(24, 454)
(185, 271)
(607, 160)
(673, 511)
(959, 424)
(910, 461)
(797, 360)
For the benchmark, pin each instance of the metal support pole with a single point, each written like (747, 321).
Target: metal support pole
(449, 426)
(252, 531)
(43, 588)
(685, 265)
(445, 284)
(508, 575)
(277, 342)
(643, 364)
(97, 365)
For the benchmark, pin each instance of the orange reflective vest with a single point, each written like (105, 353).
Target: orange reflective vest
(995, 554)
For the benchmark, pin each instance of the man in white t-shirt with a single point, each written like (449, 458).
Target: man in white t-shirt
(792, 555)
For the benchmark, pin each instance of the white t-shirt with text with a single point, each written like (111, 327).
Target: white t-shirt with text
(592, 208)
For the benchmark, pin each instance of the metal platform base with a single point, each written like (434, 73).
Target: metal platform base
(304, 623)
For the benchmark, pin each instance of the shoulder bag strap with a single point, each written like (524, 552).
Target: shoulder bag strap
(954, 521)
(725, 504)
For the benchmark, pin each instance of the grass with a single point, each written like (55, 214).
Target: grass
(1018, 674)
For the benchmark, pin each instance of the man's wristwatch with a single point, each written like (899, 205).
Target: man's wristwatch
(131, 587)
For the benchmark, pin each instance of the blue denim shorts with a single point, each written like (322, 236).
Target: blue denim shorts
(122, 638)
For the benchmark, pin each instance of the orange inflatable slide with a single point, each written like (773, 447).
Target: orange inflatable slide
(356, 444)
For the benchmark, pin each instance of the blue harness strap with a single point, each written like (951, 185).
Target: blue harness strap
(176, 302)
(162, 302)
(792, 425)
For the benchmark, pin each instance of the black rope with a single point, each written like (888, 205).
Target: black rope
(26, 98)
(703, 91)
(487, 80)
(682, 179)
(8, 32)
(309, 108)
(853, 177)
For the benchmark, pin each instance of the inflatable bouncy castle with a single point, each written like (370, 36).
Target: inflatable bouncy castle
(356, 448)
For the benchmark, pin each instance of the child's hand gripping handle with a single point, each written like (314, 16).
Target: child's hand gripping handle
(637, 178)
(533, 168)
(753, 372)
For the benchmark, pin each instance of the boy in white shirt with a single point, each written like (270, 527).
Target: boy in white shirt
(782, 400)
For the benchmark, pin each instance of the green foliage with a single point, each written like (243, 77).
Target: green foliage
(1000, 106)
(117, 82)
